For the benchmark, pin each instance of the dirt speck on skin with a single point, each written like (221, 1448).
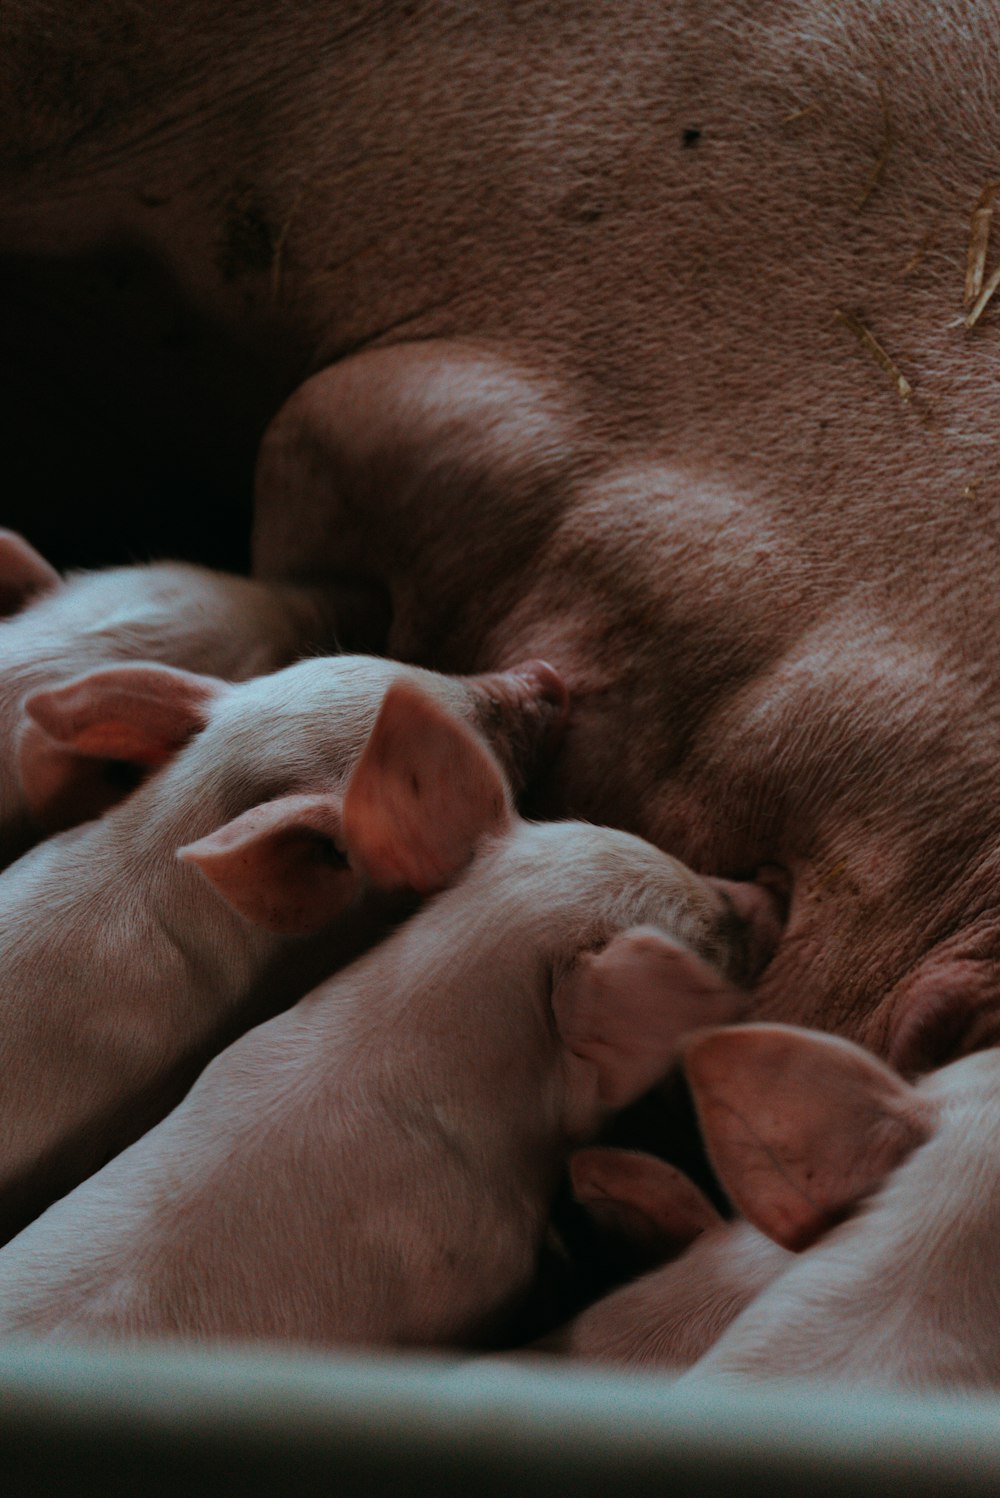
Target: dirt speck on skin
(247, 241)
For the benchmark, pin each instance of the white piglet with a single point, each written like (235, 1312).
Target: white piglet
(53, 629)
(807, 1130)
(670, 1316)
(121, 969)
(815, 1139)
(376, 1164)
(872, 1217)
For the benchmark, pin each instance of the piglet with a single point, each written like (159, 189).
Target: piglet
(122, 969)
(891, 1189)
(670, 1316)
(53, 629)
(376, 1164)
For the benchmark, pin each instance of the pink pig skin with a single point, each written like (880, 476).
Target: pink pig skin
(807, 1129)
(171, 612)
(122, 969)
(703, 1271)
(603, 408)
(375, 1165)
(763, 708)
(670, 1317)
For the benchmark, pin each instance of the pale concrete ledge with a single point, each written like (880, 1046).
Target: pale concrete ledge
(171, 1421)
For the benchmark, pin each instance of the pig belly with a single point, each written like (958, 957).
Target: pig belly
(702, 228)
(666, 206)
(846, 738)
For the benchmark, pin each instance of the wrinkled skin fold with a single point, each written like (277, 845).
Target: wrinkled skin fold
(615, 245)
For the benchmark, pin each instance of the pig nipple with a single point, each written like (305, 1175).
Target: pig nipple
(778, 883)
(546, 683)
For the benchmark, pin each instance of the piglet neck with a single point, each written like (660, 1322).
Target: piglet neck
(161, 900)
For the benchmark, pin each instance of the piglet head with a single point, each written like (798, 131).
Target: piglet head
(423, 793)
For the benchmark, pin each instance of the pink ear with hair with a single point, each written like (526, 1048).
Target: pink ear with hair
(425, 791)
(648, 1208)
(24, 573)
(139, 715)
(622, 1012)
(280, 865)
(799, 1125)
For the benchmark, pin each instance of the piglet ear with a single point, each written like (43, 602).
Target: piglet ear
(424, 792)
(279, 864)
(621, 1013)
(647, 1208)
(24, 573)
(79, 736)
(141, 713)
(799, 1125)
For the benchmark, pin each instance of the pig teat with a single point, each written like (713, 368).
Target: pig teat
(542, 679)
(948, 1007)
(523, 710)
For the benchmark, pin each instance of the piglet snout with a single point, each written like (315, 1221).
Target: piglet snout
(523, 711)
(762, 905)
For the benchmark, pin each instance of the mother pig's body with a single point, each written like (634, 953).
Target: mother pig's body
(769, 580)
